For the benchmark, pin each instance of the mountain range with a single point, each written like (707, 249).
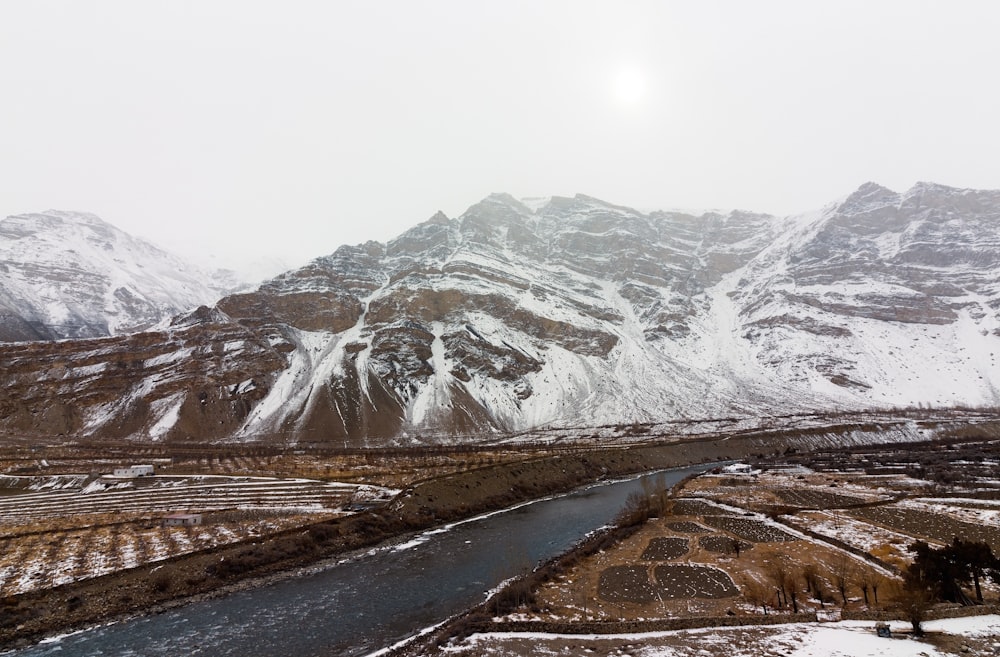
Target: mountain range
(524, 314)
(72, 275)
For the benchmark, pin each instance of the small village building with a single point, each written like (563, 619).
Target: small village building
(133, 471)
(182, 520)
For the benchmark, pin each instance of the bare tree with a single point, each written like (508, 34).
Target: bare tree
(793, 585)
(914, 602)
(811, 576)
(877, 579)
(868, 581)
(864, 586)
(842, 575)
(758, 594)
(656, 492)
(780, 576)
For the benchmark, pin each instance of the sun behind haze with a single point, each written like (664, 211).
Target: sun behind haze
(247, 128)
(629, 86)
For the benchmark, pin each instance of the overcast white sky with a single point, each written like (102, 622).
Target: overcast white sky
(288, 128)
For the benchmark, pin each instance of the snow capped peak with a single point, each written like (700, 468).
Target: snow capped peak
(439, 218)
(923, 187)
(868, 196)
(56, 222)
(499, 200)
(71, 274)
(502, 197)
(536, 203)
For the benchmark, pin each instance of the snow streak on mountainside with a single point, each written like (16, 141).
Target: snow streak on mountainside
(571, 312)
(71, 275)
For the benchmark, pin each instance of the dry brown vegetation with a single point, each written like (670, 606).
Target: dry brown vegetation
(445, 483)
(791, 539)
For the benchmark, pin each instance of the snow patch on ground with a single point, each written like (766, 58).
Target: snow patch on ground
(837, 639)
(168, 409)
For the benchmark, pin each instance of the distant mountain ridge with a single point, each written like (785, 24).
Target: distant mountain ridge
(560, 312)
(72, 275)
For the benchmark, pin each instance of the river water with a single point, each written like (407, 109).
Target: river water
(370, 602)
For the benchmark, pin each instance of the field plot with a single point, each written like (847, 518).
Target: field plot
(626, 584)
(811, 498)
(166, 494)
(673, 581)
(890, 546)
(687, 527)
(686, 506)
(57, 536)
(749, 529)
(723, 544)
(684, 581)
(923, 524)
(786, 489)
(662, 548)
(977, 512)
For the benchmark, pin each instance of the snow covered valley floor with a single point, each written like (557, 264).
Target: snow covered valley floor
(976, 635)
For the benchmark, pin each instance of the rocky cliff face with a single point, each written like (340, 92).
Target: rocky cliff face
(557, 312)
(890, 297)
(72, 275)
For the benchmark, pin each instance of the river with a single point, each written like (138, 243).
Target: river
(369, 602)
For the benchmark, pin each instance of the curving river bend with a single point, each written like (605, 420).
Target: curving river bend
(370, 602)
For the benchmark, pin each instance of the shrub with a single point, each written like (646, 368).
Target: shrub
(162, 582)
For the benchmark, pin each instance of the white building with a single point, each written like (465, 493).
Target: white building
(135, 471)
(182, 520)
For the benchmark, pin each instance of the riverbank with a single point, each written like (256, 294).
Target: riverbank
(423, 505)
(729, 527)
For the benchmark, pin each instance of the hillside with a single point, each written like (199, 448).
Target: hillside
(72, 275)
(560, 312)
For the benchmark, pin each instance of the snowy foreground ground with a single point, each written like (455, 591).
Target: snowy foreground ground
(978, 635)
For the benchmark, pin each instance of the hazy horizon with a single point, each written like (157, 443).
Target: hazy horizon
(250, 130)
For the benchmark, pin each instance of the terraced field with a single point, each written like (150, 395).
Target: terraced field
(57, 536)
(166, 494)
(686, 506)
(936, 527)
(810, 498)
(687, 527)
(749, 529)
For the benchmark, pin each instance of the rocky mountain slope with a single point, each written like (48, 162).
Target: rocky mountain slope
(72, 275)
(560, 312)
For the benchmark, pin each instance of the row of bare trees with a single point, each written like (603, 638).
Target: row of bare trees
(935, 575)
(786, 582)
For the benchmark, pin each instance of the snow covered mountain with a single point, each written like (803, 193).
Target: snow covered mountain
(560, 312)
(72, 275)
